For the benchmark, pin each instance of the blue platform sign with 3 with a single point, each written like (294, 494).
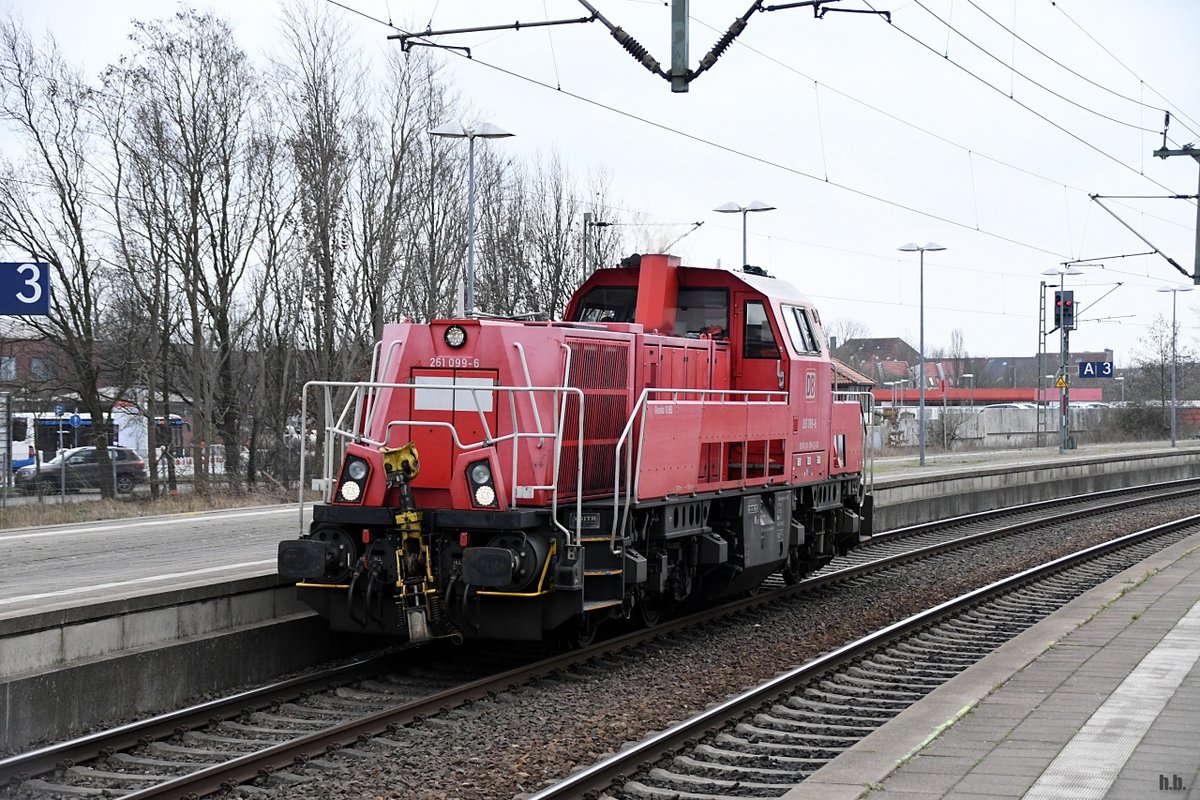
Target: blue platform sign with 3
(1095, 369)
(25, 289)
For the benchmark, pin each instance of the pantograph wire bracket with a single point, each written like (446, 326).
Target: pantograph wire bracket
(1096, 199)
(679, 75)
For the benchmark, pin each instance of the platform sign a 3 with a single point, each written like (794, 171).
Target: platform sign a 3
(25, 289)
(1095, 369)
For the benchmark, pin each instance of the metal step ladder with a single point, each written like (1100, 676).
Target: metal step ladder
(604, 574)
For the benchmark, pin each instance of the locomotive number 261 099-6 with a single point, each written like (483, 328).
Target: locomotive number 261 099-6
(454, 362)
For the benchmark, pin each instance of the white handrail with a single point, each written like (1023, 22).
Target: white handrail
(632, 492)
(373, 396)
(537, 417)
(348, 426)
(868, 449)
(560, 424)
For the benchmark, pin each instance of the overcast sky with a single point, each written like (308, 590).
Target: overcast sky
(864, 135)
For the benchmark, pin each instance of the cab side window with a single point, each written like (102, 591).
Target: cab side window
(800, 330)
(702, 312)
(758, 340)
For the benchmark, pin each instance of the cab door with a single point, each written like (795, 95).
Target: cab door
(760, 360)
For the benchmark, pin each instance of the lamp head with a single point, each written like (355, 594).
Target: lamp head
(456, 130)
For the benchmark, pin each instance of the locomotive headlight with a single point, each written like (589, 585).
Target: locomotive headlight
(353, 479)
(455, 336)
(485, 496)
(483, 490)
(480, 473)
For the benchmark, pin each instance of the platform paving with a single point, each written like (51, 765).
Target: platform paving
(1100, 700)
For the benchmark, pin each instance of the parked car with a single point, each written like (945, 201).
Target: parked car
(82, 471)
(1017, 405)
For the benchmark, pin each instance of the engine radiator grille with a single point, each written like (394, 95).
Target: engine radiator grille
(601, 370)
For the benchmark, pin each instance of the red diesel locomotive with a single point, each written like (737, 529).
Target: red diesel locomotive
(677, 438)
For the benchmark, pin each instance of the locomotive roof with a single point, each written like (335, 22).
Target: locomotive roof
(771, 287)
(695, 275)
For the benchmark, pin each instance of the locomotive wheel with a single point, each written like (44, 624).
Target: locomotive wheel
(579, 633)
(793, 570)
(649, 612)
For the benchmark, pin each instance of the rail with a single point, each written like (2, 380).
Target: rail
(622, 503)
(347, 425)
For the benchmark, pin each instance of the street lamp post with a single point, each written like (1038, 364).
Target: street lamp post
(1174, 290)
(912, 247)
(456, 130)
(734, 208)
(1121, 380)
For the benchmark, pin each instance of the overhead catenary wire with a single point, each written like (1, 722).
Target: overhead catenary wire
(1024, 105)
(743, 154)
(1178, 113)
(970, 151)
(966, 150)
(1058, 63)
(793, 170)
(1014, 71)
(734, 151)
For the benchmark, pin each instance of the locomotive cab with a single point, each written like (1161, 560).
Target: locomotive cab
(675, 438)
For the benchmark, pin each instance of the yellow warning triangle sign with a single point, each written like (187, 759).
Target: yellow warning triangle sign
(1061, 384)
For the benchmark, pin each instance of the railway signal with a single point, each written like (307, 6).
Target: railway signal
(1064, 309)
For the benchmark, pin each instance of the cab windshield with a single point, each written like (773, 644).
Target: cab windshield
(608, 304)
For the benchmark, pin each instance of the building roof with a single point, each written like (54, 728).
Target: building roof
(844, 375)
(869, 351)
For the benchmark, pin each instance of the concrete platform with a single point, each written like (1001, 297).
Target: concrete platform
(1101, 699)
(954, 484)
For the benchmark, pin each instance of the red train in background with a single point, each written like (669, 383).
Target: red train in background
(677, 438)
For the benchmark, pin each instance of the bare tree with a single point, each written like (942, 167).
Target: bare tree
(318, 83)
(958, 356)
(844, 329)
(608, 241)
(1150, 378)
(194, 91)
(385, 184)
(554, 216)
(140, 187)
(502, 274)
(46, 215)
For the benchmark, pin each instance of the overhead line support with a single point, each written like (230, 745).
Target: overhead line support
(1188, 150)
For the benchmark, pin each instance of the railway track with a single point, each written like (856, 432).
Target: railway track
(764, 741)
(218, 745)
